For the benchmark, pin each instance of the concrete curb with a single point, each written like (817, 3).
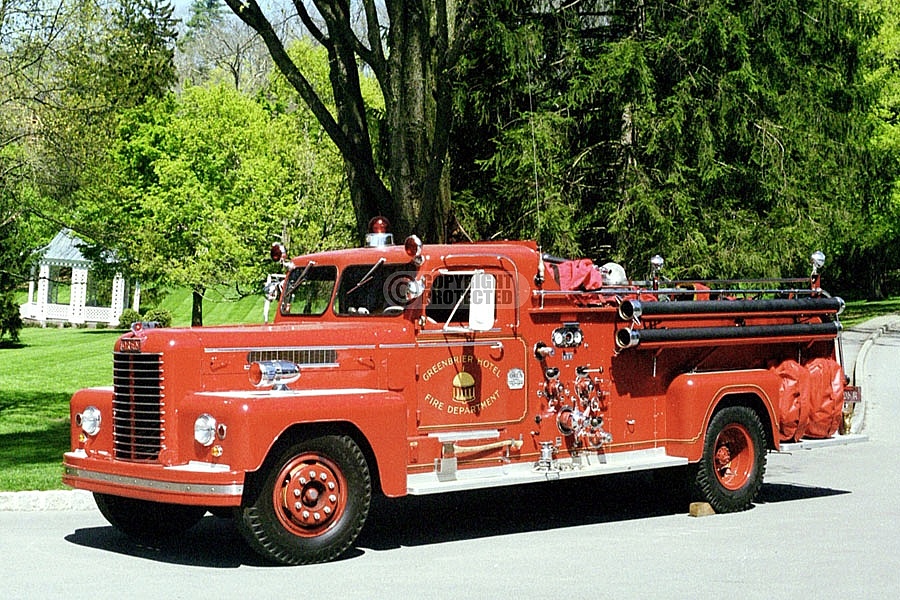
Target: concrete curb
(883, 324)
(51, 500)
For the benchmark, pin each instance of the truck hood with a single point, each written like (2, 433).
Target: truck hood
(344, 354)
(352, 333)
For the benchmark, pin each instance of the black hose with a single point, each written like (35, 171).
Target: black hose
(630, 338)
(632, 309)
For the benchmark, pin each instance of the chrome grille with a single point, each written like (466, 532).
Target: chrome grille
(303, 357)
(137, 405)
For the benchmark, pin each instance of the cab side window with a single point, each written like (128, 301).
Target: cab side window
(446, 291)
(372, 289)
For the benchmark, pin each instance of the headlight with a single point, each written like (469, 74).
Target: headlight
(205, 429)
(89, 420)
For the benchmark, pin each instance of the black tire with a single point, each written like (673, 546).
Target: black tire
(309, 504)
(148, 521)
(731, 470)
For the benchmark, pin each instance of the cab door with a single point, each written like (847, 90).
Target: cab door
(470, 360)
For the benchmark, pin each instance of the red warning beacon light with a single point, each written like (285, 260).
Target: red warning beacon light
(277, 252)
(379, 233)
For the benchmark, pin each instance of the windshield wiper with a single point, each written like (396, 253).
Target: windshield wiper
(367, 277)
(299, 279)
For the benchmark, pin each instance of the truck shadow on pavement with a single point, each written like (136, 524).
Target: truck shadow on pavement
(413, 521)
(213, 542)
(422, 520)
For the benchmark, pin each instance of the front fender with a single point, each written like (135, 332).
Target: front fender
(693, 397)
(99, 397)
(254, 421)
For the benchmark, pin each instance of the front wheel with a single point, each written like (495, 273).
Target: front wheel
(311, 502)
(145, 520)
(731, 470)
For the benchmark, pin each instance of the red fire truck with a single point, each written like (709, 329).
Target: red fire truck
(422, 369)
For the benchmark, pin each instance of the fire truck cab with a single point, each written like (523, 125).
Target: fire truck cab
(421, 369)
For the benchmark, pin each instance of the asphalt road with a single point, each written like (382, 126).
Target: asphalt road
(827, 524)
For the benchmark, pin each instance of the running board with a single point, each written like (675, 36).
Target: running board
(515, 474)
(836, 440)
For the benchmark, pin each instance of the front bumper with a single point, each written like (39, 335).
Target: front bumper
(195, 483)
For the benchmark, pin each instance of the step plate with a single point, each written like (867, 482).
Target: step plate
(516, 474)
(836, 440)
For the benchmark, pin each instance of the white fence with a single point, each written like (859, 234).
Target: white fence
(63, 312)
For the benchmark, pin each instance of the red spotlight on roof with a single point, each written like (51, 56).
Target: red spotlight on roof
(379, 233)
(379, 225)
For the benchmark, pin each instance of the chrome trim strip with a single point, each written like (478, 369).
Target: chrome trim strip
(234, 489)
(287, 348)
(462, 344)
(304, 393)
(459, 436)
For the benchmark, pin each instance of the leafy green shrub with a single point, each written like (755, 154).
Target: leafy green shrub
(129, 316)
(160, 315)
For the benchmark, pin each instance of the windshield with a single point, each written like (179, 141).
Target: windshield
(308, 290)
(373, 289)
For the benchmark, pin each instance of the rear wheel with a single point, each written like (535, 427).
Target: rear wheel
(145, 520)
(731, 470)
(311, 502)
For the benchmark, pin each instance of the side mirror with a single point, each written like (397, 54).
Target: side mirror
(414, 288)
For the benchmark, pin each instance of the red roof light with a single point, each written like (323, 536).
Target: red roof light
(379, 225)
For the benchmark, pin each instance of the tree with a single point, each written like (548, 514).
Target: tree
(734, 139)
(754, 135)
(205, 181)
(137, 54)
(28, 29)
(217, 43)
(872, 266)
(412, 48)
(13, 257)
(539, 131)
(111, 56)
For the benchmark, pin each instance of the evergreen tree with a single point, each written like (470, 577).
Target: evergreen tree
(117, 56)
(733, 138)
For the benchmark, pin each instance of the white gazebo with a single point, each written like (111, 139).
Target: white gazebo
(63, 266)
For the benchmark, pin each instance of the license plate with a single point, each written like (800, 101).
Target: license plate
(852, 394)
(134, 345)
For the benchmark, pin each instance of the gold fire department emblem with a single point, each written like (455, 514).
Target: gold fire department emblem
(463, 388)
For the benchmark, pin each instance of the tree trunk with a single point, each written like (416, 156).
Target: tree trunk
(368, 194)
(425, 40)
(419, 118)
(197, 307)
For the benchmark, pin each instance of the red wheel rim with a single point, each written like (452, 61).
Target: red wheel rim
(310, 495)
(733, 456)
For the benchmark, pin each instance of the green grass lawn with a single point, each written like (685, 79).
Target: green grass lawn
(37, 378)
(40, 373)
(861, 310)
(218, 309)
